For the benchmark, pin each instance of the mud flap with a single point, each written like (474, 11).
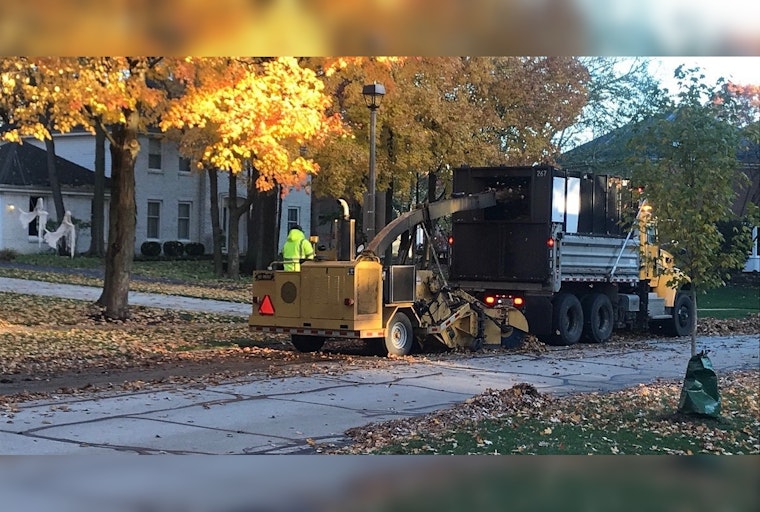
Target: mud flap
(699, 394)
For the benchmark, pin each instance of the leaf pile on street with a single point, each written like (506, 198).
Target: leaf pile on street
(637, 420)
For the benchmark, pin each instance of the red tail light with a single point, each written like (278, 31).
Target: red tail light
(451, 240)
(266, 307)
(550, 242)
(503, 300)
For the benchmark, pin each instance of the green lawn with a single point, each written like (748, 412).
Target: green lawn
(191, 278)
(185, 270)
(733, 301)
(641, 420)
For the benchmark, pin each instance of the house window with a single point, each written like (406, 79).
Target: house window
(293, 218)
(154, 153)
(184, 165)
(154, 219)
(183, 221)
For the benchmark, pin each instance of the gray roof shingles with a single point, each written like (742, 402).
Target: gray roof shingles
(26, 165)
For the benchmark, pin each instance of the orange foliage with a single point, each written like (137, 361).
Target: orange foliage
(748, 102)
(265, 113)
(333, 64)
(441, 112)
(61, 93)
(750, 92)
(227, 111)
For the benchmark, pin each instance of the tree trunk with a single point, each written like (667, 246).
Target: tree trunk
(264, 227)
(432, 180)
(236, 211)
(249, 261)
(216, 225)
(97, 221)
(693, 294)
(121, 226)
(233, 242)
(388, 219)
(55, 188)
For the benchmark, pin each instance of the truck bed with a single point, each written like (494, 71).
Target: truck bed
(593, 258)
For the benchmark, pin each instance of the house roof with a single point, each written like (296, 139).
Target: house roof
(607, 154)
(26, 165)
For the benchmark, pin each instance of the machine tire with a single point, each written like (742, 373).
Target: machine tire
(567, 320)
(307, 343)
(476, 344)
(683, 314)
(598, 318)
(513, 338)
(399, 336)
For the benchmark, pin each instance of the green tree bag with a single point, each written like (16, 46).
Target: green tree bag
(699, 394)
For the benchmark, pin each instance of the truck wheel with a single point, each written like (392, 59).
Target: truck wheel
(399, 336)
(307, 343)
(597, 311)
(567, 320)
(683, 315)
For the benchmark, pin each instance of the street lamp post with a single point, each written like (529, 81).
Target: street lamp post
(373, 95)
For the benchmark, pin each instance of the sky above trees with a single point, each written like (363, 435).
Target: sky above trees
(741, 70)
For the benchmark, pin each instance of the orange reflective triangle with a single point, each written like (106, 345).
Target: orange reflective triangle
(266, 307)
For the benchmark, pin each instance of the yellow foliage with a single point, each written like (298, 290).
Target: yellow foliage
(223, 111)
(262, 112)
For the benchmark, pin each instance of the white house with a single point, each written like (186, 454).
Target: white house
(753, 262)
(173, 201)
(23, 181)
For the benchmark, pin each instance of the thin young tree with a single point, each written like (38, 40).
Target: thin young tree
(685, 158)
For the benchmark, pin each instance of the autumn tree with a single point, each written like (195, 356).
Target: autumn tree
(686, 160)
(442, 112)
(253, 117)
(29, 95)
(120, 95)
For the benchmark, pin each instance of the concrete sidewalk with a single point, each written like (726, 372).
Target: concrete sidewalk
(155, 300)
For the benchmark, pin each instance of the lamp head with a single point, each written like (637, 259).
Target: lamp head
(373, 95)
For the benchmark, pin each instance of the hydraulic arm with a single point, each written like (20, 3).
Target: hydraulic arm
(430, 211)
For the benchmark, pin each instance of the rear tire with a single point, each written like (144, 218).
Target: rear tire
(567, 320)
(399, 336)
(599, 317)
(307, 343)
(683, 315)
